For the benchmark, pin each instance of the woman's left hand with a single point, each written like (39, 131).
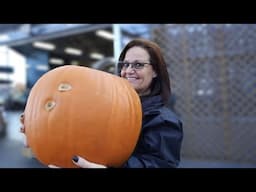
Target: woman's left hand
(82, 163)
(23, 130)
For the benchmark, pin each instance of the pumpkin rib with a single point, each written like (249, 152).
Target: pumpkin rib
(110, 128)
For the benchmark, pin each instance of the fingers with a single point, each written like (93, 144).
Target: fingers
(25, 142)
(22, 129)
(83, 163)
(22, 118)
(53, 166)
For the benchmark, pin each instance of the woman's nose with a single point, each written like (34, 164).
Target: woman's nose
(130, 69)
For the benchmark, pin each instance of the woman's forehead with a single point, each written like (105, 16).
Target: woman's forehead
(136, 53)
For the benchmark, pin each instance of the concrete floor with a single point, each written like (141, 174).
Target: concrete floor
(13, 154)
(12, 150)
(195, 163)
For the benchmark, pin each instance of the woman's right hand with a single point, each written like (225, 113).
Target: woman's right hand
(82, 163)
(22, 129)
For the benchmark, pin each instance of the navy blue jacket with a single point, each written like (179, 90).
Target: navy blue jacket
(159, 144)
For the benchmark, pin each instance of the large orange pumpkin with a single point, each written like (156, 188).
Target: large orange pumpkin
(74, 110)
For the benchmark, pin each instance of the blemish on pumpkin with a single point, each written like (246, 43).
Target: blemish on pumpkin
(64, 87)
(49, 105)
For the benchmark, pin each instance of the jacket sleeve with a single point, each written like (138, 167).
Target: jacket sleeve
(159, 146)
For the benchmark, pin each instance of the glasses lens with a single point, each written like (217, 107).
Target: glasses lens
(126, 65)
(138, 65)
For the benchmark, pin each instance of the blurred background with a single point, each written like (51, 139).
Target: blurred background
(212, 69)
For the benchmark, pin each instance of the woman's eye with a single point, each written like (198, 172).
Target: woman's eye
(126, 65)
(138, 65)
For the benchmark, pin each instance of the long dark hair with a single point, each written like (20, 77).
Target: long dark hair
(160, 84)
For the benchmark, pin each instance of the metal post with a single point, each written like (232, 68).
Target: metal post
(117, 43)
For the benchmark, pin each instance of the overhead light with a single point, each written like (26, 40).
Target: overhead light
(4, 37)
(43, 45)
(56, 61)
(96, 56)
(74, 62)
(42, 67)
(73, 51)
(105, 34)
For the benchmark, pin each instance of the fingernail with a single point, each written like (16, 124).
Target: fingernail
(22, 129)
(75, 158)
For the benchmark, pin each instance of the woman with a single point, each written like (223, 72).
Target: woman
(159, 144)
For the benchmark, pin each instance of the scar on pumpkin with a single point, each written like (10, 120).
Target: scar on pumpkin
(49, 105)
(64, 87)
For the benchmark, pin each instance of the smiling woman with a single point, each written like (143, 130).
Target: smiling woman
(161, 134)
(143, 65)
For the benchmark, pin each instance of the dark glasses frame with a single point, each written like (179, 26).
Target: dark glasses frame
(134, 65)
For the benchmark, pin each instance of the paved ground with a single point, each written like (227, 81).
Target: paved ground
(190, 163)
(13, 153)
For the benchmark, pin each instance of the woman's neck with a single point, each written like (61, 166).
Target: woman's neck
(144, 93)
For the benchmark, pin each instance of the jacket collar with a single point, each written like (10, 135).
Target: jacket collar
(151, 103)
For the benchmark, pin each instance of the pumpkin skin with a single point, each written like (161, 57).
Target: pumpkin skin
(75, 110)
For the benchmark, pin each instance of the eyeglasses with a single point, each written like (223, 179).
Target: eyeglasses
(134, 65)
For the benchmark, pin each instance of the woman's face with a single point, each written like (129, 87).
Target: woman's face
(139, 78)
